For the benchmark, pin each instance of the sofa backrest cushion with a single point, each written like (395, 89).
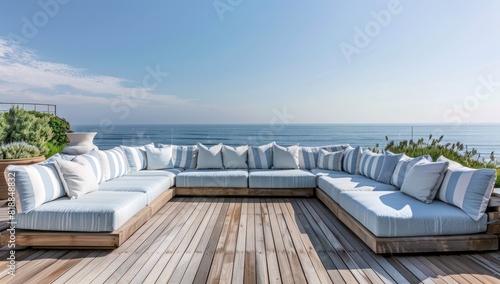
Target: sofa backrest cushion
(370, 164)
(235, 157)
(159, 158)
(468, 189)
(403, 167)
(35, 185)
(424, 179)
(136, 157)
(352, 157)
(77, 177)
(114, 163)
(330, 160)
(285, 157)
(94, 161)
(209, 158)
(308, 157)
(390, 162)
(334, 148)
(261, 157)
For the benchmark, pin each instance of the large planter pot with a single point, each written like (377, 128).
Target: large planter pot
(80, 143)
(4, 193)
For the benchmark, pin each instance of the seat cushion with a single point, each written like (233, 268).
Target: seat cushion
(260, 178)
(395, 214)
(152, 186)
(172, 173)
(213, 178)
(334, 182)
(99, 211)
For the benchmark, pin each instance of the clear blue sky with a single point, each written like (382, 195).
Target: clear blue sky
(240, 61)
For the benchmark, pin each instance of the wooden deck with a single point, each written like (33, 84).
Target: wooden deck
(245, 240)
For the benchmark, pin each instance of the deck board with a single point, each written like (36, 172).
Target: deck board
(246, 240)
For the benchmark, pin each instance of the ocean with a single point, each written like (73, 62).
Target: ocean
(485, 138)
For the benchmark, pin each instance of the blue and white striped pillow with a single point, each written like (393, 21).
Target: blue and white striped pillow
(390, 162)
(94, 160)
(308, 157)
(468, 189)
(114, 163)
(35, 185)
(136, 157)
(403, 167)
(334, 148)
(184, 156)
(351, 159)
(330, 160)
(370, 164)
(261, 157)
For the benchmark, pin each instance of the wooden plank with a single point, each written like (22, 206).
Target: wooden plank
(475, 242)
(238, 273)
(246, 192)
(466, 271)
(444, 265)
(35, 267)
(218, 259)
(91, 258)
(197, 271)
(260, 246)
(250, 271)
(273, 268)
(416, 270)
(436, 270)
(281, 252)
(226, 273)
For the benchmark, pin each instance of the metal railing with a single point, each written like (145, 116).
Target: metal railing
(45, 108)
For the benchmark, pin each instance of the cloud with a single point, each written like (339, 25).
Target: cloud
(25, 76)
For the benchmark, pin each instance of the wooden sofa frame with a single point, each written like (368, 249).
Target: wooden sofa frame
(475, 242)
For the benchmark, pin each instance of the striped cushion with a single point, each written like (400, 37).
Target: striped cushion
(334, 148)
(93, 158)
(390, 162)
(467, 188)
(260, 157)
(403, 167)
(370, 164)
(330, 160)
(114, 163)
(136, 157)
(308, 157)
(184, 157)
(351, 159)
(35, 185)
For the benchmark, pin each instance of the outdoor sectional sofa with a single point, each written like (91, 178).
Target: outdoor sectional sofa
(394, 203)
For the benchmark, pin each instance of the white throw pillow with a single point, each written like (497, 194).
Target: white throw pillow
(159, 158)
(77, 178)
(285, 157)
(424, 179)
(235, 157)
(209, 158)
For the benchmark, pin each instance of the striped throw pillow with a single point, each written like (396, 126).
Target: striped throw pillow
(184, 156)
(35, 185)
(390, 162)
(334, 148)
(468, 189)
(351, 159)
(136, 157)
(261, 157)
(403, 167)
(370, 164)
(95, 162)
(330, 160)
(308, 157)
(114, 163)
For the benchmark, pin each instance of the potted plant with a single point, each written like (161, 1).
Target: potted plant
(23, 138)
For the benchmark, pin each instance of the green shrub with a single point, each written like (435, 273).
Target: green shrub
(60, 126)
(18, 150)
(434, 147)
(23, 126)
(3, 126)
(53, 149)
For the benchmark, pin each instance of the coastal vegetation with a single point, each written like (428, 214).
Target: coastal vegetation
(435, 148)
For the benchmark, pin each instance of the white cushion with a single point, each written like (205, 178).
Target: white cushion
(95, 162)
(330, 160)
(35, 185)
(235, 157)
(468, 189)
(77, 177)
(209, 158)
(159, 158)
(424, 179)
(285, 157)
(261, 157)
